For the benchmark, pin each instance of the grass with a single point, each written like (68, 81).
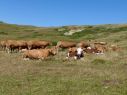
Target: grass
(93, 75)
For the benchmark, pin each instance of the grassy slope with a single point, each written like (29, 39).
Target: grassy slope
(95, 75)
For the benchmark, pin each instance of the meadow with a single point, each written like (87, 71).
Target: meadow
(93, 75)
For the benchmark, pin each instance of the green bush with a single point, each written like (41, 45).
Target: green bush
(3, 33)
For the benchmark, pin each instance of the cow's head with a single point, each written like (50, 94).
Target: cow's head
(53, 50)
(72, 52)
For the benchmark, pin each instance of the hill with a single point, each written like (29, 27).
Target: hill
(12, 31)
(94, 75)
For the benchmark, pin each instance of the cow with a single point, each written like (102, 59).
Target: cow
(83, 44)
(38, 44)
(66, 44)
(115, 48)
(3, 44)
(22, 45)
(39, 53)
(12, 45)
(101, 43)
(72, 52)
(89, 50)
(76, 52)
(100, 46)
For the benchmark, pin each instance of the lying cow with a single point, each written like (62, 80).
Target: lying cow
(77, 53)
(115, 48)
(39, 53)
(101, 43)
(91, 50)
(72, 52)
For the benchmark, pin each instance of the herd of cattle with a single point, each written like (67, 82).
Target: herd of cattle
(40, 49)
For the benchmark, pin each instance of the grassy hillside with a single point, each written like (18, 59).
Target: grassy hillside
(94, 75)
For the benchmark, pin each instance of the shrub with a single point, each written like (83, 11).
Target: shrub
(3, 33)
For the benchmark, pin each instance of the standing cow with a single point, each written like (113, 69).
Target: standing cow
(12, 45)
(38, 44)
(66, 44)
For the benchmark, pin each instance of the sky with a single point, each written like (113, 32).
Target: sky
(63, 12)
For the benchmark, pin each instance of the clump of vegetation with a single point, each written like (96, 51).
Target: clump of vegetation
(101, 61)
(3, 33)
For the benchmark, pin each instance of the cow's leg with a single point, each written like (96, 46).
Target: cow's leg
(3, 48)
(29, 47)
(78, 56)
(42, 58)
(26, 59)
(7, 49)
(75, 57)
(12, 50)
(19, 48)
(68, 55)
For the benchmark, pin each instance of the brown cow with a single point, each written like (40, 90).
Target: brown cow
(39, 53)
(72, 52)
(90, 50)
(22, 44)
(38, 44)
(12, 45)
(83, 44)
(75, 52)
(66, 44)
(3, 44)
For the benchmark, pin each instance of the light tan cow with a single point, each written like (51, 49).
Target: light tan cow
(39, 53)
(100, 46)
(115, 48)
(101, 43)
